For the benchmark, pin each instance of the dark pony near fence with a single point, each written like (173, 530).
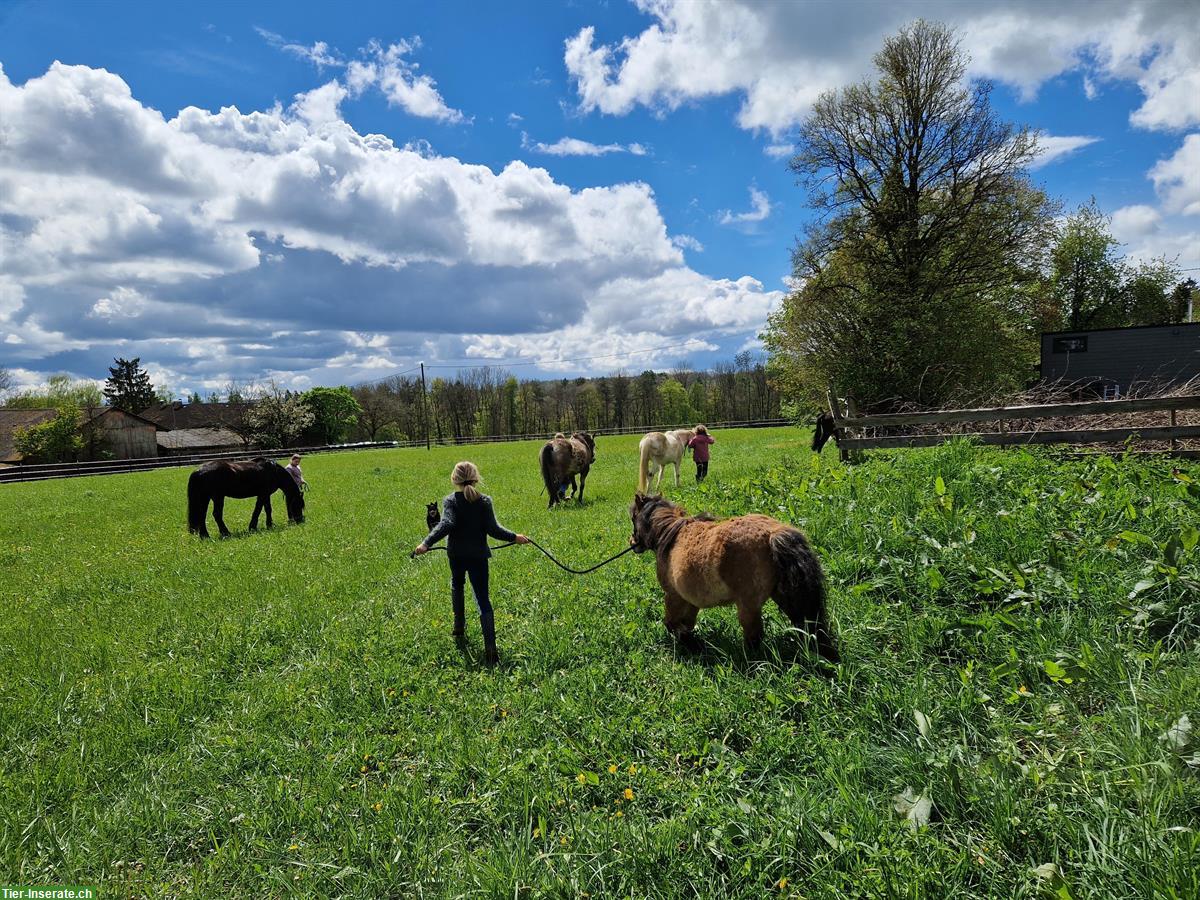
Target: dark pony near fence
(562, 459)
(258, 477)
(824, 428)
(744, 561)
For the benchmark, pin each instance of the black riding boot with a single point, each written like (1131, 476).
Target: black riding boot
(457, 602)
(488, 626)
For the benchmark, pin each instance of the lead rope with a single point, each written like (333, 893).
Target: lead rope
(550, 556)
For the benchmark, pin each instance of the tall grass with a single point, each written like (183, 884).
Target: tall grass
(285, 713)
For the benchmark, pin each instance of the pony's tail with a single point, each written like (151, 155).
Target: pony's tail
(644, 468)
(547, 461)
(197, 502)
(800, 589)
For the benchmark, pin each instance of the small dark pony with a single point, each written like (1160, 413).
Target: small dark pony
(823, 429)
(562, 458)
(258, 477)
(742, 562)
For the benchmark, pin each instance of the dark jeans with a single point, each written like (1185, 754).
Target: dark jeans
(701, 470)
(477, 571)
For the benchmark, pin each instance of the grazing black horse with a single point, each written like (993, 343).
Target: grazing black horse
(258, 477)
(824, 429)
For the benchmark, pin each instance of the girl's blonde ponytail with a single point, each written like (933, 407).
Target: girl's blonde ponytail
(465, 477)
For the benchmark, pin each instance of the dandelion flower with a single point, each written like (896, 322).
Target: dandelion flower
(632, 769)
(294, 847)
(783, 883)
(581, 778)
(628, 793)
(612, 770)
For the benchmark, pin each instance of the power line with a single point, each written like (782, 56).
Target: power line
(384, 377)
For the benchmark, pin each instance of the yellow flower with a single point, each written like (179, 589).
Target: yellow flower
(783, 883)
(294, 847)
(363, 769)
(581, 778)
(377, 807)
(563, 840)
(633, 770)
(628, 793)
(619, 814)
(612, 770)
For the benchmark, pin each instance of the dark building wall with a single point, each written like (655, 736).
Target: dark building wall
(1124, 356)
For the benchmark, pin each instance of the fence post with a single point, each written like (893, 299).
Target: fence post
(1174, 442)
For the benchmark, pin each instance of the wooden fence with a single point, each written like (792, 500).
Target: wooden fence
(856, 433)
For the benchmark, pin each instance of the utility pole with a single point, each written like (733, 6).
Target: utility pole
(425, 406)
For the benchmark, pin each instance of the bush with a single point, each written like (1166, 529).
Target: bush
(55, 441)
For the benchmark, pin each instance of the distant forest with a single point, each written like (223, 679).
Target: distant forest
(492, 401)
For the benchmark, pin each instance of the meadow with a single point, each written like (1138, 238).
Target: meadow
(286, 714)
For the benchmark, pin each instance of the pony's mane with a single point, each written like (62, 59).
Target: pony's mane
(662, 521)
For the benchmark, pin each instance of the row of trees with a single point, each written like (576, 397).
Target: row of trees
(935, 261)
(476, 403)
(489, 401)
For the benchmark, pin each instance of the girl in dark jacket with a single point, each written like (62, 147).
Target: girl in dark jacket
(467, 521)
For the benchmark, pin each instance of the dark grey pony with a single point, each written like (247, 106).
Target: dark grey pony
(563, 458)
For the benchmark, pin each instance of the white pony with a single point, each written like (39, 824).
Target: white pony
(658, 450)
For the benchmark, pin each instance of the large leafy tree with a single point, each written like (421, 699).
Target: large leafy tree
(916, 282)
(334, 412)
(277, 417)
(1149, 294)
(128, 386)
(58, 391)
(1086, 273)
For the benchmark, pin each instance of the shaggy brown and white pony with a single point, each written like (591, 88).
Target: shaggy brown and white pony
(657, 450)
(562, 459)
(741, 561)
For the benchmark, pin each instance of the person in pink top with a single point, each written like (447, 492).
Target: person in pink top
(699, 445)
(294, 470)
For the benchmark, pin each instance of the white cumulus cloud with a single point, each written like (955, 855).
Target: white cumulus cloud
(760, 208)
(779, 57)
(221, 244)
(1052, 148)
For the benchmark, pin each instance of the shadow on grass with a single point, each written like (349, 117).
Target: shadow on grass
(242, 534)
(789, 649)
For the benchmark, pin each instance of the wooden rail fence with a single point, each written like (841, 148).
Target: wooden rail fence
(856, 433)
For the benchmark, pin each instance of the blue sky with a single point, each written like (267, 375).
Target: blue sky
(559, 184)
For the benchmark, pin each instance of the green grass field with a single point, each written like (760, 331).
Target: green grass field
(286, 714)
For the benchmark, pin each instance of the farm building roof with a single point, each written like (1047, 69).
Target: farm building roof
(92, 413)
(11, 420)
(197, 439)
(176, 415)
